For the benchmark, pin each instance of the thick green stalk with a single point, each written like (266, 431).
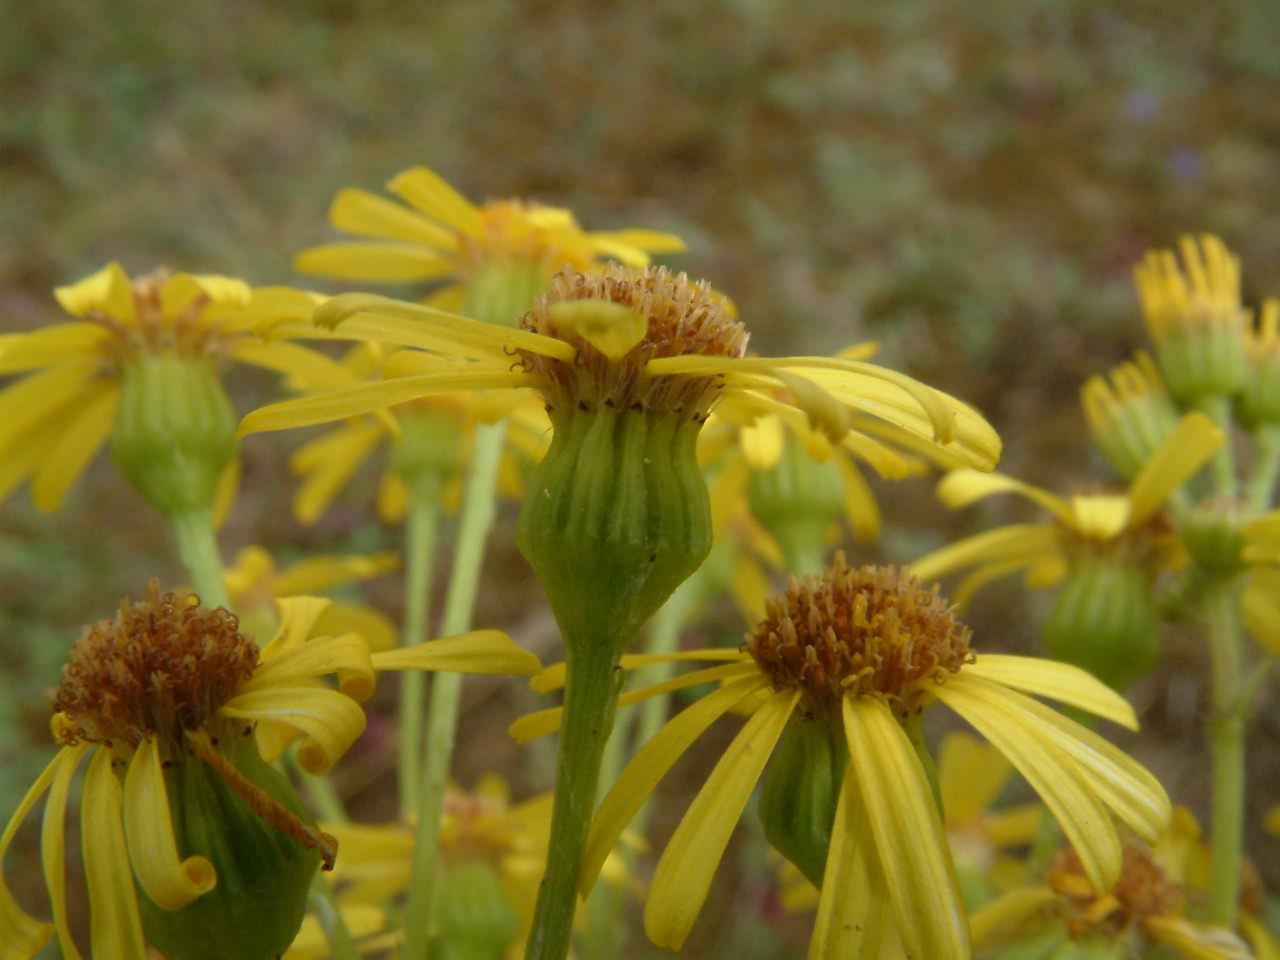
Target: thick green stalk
(1266, 467)
(442, 720)
(198, 548)
(593, 683)
(321, 902)
(1226, 743)
(1218, 409)
(424, 496)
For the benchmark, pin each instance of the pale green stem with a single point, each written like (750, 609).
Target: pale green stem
(324, 798)
(442, 721)
(321, 903)
(1226, 743)
(1218, 409)
(420, 540)
(592, 685)
(198, 548)
(1266, 467)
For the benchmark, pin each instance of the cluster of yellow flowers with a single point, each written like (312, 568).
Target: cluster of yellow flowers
(657, 465)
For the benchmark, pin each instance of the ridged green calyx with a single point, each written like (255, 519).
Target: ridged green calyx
(1105, 619)
(175, 429)
(798, 500)
(1213, 533)
(801, 792)
(474, 919)
(264, 874)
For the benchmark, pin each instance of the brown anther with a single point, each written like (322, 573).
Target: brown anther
(1143, 891)
(162, 666)
(859, 631)
(683, 317)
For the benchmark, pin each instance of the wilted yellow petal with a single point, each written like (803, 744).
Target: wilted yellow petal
(963, 487)
(115, 928)
(346, 657)
(610, 327)
(298, 616)
(331, 721)
(1007, 913)
(170, 881)
(26, 935)
(1057, 681)
(53, 838)
(480, 651)
(1196, 942)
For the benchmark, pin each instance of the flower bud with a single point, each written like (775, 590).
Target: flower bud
(1105, 620)
(1213, 534)
(429, 444)
(1130, 414)
(264, 874)
(474, 918)
(1259, 400)
(175, 430)
(798, 501)
(801, 792)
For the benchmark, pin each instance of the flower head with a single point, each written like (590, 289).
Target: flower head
(139, 359)
(865, 650)
(1130, 413)
(442, 236)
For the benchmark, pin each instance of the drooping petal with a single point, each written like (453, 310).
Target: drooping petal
(1196, 942)
(391, 262)
(26, 935)
(902, 817)
(852, 910)
(1051, 773)
(1175, 461)
(1058, 681)
(366, 214)
(78, 442)
(1024, 542)
(169, 880)
(542, 722)
(762, 443)
(971, 775)
(378, 631)
(552, 678)
(427, 190)
(306, 368)
(963, 487)
(53, 839)
(480, 651)
(683, 876)
(963, 592)
(860, 509)
(749, 586)
(51, 345)
(1007, 913)
(346, 657)
(298, 616)
(649, 765)
(115, 927)
(330, 721)
(369, 397)
(38, 397)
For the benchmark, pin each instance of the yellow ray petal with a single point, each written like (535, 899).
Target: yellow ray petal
(1264, 944)
(480, 651)
(1196, 942)
(181, 290)
(1057, 681)
(1100, 516)
(38, 396)
(115, 928)
(1023, 542)
(309, 369)
(331, 721)
(553, 677)
(960, 488)
(108, 290)
(1182, 453)
(366, 398)
(366, 214)
(860, 509)
(762, 442)
(78, 442)
(971, 775)
(749, 585)
(53, 840)
(1006, 914)
(610, 327)
(24, 455)
(323, 572)
(298, 616)
(346, 656)
(378, 631)
(649, 765)
(542, 722)
(169, 880)
(1052, 774)
(851, 914)
(644, 241)
(683, 876)
(427, 190)
(41, 348)
(963, 592)
(25, 935)
(393, 499)
(390, 262)
(903, 821)
(328, 463)
(224, 496)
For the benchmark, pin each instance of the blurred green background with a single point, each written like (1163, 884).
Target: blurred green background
(968, 184)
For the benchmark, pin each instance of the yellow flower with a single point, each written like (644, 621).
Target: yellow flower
(255, 583)
(743, 552)
(1143, 907)
(170, 691)
(482, 824)
(622, 338)
(327, 463)
(442, 236)
(1106, 522)
(54, 420)
(864, 650)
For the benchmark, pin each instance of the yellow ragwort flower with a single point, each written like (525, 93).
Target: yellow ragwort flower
(171, 694)
(54, 420)
(863, 650)
(1111, 523)
(442, 236)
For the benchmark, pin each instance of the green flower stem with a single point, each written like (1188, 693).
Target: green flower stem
(442, 721)
(1218, 409)
(424, 496)
(198, 548)
(324, 798)
(1226, 744)
(1266, 467)
(321, 902)
(593, 683)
